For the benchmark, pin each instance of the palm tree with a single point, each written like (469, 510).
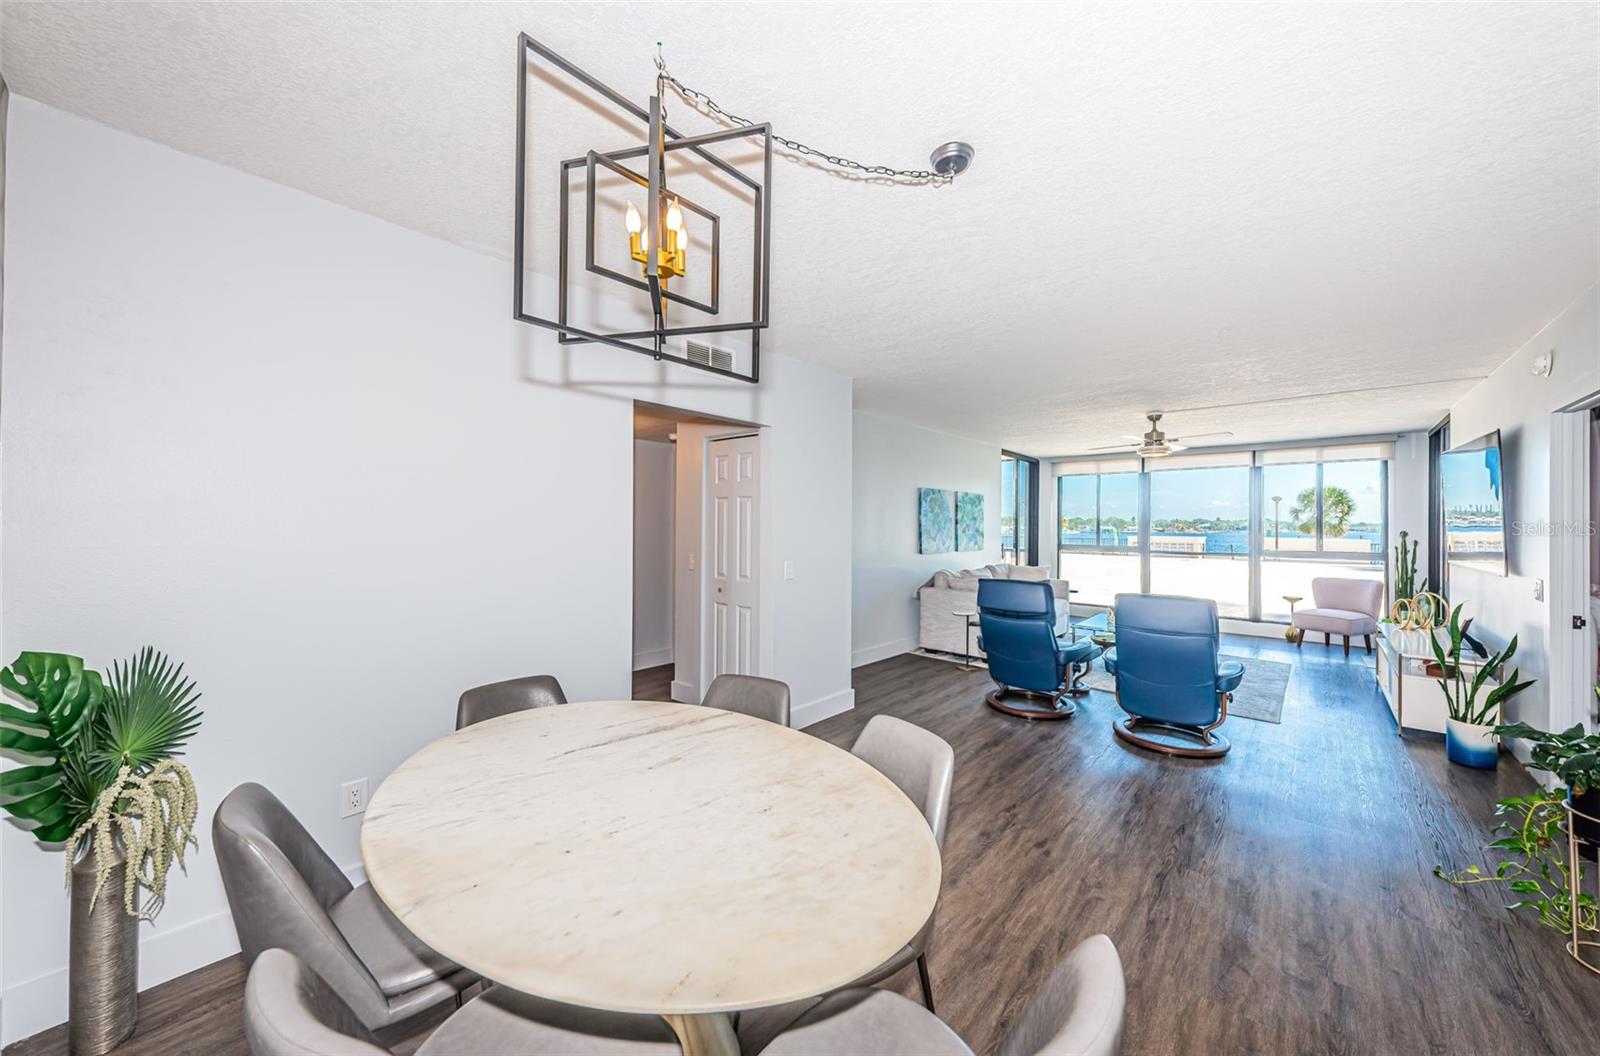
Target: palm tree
(1337, 509)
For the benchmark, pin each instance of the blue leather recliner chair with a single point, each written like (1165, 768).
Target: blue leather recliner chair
(1034, 670)
(1170, 679)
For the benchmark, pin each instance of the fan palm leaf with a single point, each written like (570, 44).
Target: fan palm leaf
(149, 713)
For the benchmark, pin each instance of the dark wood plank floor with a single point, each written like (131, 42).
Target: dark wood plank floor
(1279, 900)
(653, 683)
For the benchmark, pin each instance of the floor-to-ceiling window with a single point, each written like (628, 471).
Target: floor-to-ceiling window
(1319, 519)
(1244, 528)
(1200, 533)
(1019, 477)
(1098, 531)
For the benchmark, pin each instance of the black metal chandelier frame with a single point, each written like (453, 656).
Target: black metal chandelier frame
(662, 139)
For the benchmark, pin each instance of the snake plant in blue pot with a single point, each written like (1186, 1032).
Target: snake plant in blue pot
(1469, 737)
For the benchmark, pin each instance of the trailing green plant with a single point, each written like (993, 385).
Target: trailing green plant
(1572, 755)
(1533, 839)
(1461, 695)
(1406, 584)
(106, 769)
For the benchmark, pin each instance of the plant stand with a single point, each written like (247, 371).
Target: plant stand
(1293, 634)
(967, 616)
(1585, 951)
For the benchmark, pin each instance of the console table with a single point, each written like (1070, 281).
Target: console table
(1414, 697)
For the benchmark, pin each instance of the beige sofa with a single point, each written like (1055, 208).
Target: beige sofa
(949, 592)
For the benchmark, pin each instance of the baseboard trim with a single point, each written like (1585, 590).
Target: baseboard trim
(652, 658)
(871, 654)
(1254, 630)
(40, 1003)
(684, 693)
(822, 708)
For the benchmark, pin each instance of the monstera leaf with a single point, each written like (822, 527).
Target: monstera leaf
(64, 699)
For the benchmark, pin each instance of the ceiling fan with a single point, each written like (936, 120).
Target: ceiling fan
(1155, 443)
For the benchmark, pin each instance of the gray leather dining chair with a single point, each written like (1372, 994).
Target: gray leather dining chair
(923, 766)
(503, 698)
(762, 698)
(290, 1011)
(1077, 1012)
(286, 892)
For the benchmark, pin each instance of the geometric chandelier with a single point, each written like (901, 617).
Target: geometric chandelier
(637, 219)
(655, 270)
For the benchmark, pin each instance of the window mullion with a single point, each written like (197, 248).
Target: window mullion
(1318, 524)
(1253, 542)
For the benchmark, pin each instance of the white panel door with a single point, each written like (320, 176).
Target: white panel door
(733, 568)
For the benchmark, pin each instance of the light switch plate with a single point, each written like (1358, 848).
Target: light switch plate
(1538, 590)
(788, 570)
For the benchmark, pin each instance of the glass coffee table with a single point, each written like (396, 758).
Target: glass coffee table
(1099, 629)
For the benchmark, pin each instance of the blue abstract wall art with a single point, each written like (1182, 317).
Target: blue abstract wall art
(969, 520)
(936, 528)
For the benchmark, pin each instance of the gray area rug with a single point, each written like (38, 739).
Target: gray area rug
(1259, 696)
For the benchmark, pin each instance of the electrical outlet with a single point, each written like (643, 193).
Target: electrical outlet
(352, 797)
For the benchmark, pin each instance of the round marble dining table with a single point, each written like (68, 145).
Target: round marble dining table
(640, 856)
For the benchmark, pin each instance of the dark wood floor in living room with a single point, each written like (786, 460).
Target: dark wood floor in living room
(1279, 900)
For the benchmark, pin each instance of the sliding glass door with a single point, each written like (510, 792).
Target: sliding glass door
(1099, 535)
(1321, 519)
(1200, 535)
(1019, 478)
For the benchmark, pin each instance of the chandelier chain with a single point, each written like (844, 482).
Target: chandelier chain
(701, 101)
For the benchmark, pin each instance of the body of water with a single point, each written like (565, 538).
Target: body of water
(1226, 542)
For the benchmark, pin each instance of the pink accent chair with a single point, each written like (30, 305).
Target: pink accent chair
(1343, 606)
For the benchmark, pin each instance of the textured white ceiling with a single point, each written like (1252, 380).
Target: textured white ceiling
(1173, 207)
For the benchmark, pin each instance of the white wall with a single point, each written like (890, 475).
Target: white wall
(1519, 404)
(653, 471)
(892, 461)
(310, 454)
(1408, 500)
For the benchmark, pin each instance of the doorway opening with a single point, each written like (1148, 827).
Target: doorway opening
(697, 569)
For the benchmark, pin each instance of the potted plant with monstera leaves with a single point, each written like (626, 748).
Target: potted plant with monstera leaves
(1469, 737)
(102, 782)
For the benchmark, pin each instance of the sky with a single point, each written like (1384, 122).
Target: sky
(1467, 479)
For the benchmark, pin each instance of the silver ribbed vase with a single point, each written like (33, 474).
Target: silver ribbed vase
(103, 964)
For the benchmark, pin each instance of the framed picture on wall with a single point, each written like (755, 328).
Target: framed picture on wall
(935, 521)
(969, 520)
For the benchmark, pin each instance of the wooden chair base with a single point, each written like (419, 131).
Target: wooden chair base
(1185, 740)
(1030, 704)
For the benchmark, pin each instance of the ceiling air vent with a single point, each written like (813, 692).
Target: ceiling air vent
(704, 355)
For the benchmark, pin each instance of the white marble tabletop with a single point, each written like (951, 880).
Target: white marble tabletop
(651, 857)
